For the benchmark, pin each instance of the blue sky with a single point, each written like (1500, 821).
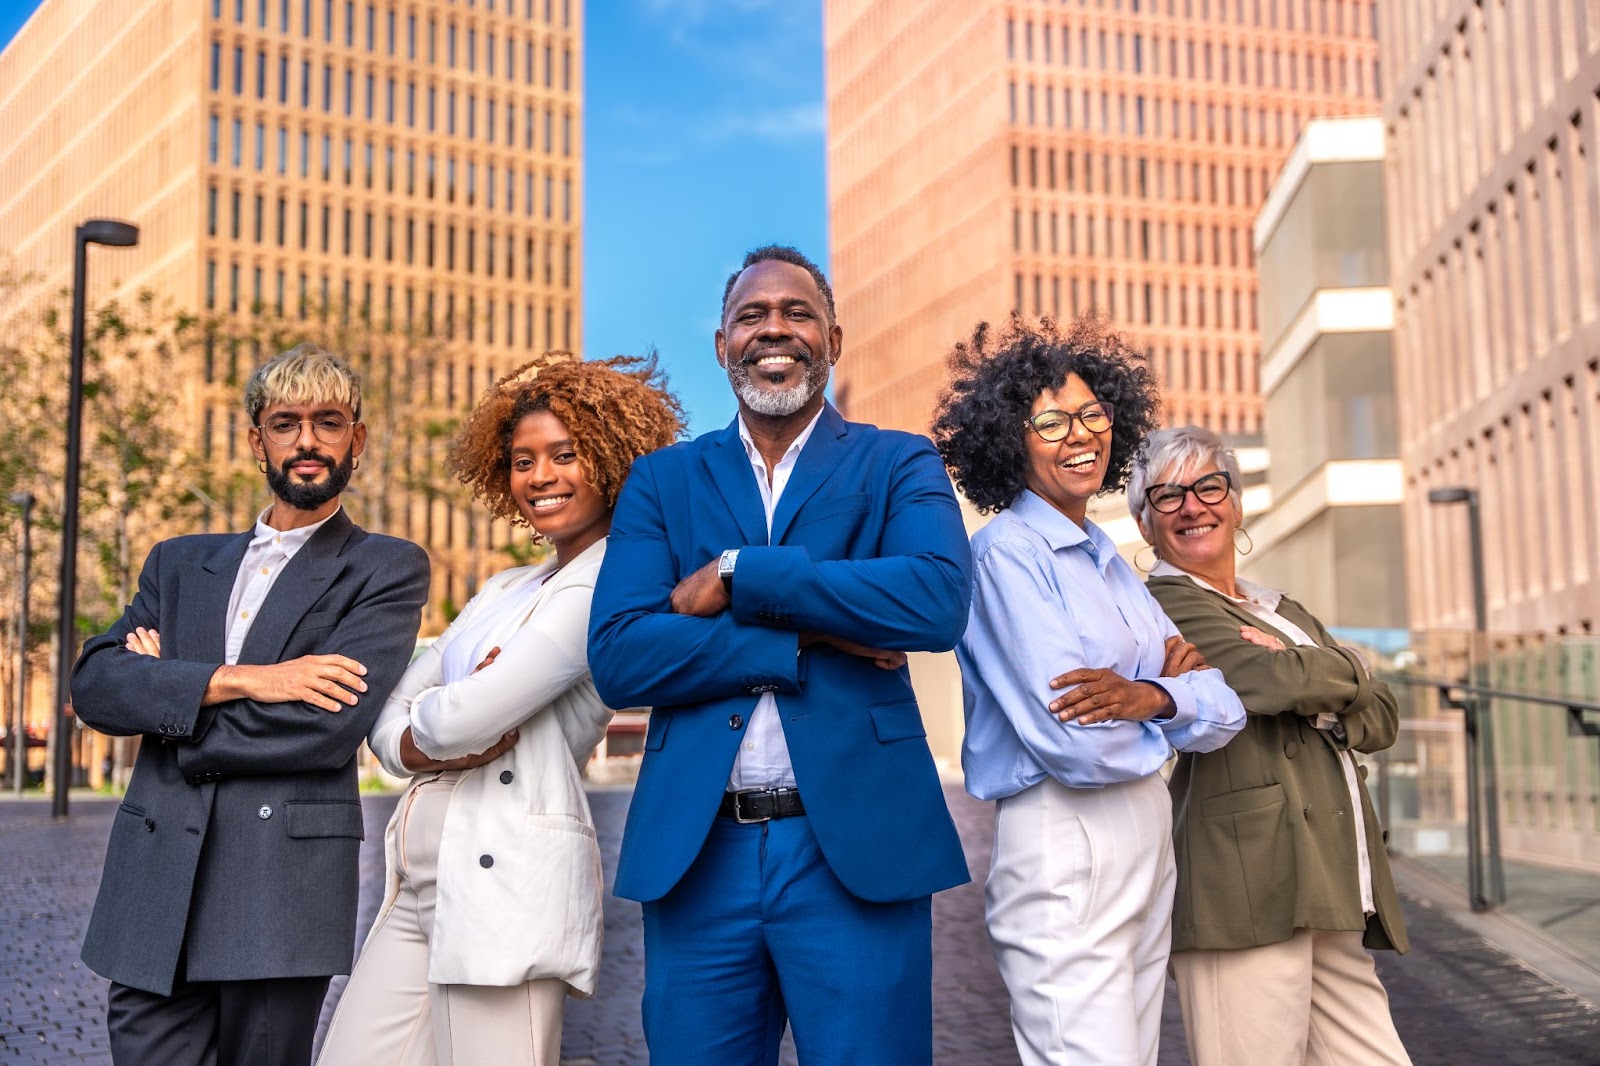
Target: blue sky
(703, 138)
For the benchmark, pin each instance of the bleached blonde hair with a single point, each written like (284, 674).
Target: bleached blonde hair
(302, 375)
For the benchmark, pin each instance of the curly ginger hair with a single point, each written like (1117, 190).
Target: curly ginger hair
(616, 409)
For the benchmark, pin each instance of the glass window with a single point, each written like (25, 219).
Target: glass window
(283, 79)
(305, 153)
(261, 146)
(283, 150)
(261, 75)
(238, 70)
(216, 66)
(238, 141)
(211, 211)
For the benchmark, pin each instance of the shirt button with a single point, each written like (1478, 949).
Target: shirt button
(244, 614)
(265, 812)
(735, 721)
(506, 777)
(485, 861)
(266, 569)
(749, 745)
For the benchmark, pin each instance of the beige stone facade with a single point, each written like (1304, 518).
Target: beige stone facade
(414, 161)
(1054, 156)
(1494, 201)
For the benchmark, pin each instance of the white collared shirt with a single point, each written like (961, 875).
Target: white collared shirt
(1261, 601)
(268, 553)
(763, 759)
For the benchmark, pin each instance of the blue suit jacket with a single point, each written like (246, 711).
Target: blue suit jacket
(867, 544)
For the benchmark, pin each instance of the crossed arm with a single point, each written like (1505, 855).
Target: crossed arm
(657, 640)
(255, 719)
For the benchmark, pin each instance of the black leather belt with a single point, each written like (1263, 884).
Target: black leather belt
(761, 805)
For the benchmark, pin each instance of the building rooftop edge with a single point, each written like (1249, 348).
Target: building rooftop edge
(1323, 140)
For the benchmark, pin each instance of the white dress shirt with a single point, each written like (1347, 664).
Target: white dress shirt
(763, 759)
(269, 552)
(1261, 601)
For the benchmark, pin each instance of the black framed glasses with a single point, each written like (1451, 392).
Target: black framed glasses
(1168, 497)
(1053, 426)
(284, 431)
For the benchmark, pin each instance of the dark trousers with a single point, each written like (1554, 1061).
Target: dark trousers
(216, 1023)
(760, 933)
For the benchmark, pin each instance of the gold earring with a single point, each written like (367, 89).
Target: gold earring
(1153, 559)
(261, 465)
(1249, 545)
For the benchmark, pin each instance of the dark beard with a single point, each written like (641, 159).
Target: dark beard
(308, 497)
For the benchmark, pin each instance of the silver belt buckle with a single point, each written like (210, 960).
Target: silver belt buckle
(738, 811)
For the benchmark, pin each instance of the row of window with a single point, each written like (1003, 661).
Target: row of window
(1320, 16)
(384, 30)
(345, 90)
(1132, 115)
(426, 174)
(1139, 304)
(1218, 185)
(1273, 68)
(1040, 232)
(511, 323)
(296, 223)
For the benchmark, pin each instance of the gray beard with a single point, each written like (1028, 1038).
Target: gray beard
(779, 404)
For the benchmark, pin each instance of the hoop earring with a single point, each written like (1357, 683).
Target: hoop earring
(1141, 568)
(1249, 545)
(261, 465)
(357, 465)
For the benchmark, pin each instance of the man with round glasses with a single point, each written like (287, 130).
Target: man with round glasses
(252, 665)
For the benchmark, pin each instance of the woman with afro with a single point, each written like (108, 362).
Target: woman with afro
(1077, 688)
(492, 907)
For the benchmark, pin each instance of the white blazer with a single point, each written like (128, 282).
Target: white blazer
(519, 885)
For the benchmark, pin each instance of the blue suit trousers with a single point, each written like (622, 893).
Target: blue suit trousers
(760, 932)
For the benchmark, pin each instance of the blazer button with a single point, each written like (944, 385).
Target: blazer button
(506, 776)
(149, 825)
(735, 721)
(265, 812)
(1290, 748)
(485, 861)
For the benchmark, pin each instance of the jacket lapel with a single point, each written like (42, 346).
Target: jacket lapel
(829, 443)
(308, 575)
(206, 595)
(734, 478)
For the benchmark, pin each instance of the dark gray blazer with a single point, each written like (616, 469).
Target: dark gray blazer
(237, 844)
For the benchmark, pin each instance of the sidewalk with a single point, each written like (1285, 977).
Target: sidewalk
(1457, 1000)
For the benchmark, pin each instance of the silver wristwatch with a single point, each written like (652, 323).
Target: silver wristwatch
(725, 568)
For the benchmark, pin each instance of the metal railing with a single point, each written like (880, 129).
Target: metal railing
(1485, 871)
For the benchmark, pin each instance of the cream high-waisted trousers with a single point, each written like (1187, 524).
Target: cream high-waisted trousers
(1079, 904)
(391, 1016)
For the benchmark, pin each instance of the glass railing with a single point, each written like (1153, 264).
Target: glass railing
(1494, 782)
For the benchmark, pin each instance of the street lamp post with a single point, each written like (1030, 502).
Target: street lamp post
(19, 737)
(117, 235)
(1480, 723)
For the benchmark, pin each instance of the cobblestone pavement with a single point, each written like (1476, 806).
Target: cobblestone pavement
(1457, 1001)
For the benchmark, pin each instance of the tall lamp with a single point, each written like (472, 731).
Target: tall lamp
(116, 235)
(19, 737)
(1481, 723)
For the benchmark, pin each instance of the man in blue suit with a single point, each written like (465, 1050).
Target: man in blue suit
(761, 587)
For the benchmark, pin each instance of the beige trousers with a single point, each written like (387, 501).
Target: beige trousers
(1313, 999)
(391, 1016)
(1079, 905)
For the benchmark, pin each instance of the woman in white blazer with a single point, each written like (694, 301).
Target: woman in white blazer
(492, 913)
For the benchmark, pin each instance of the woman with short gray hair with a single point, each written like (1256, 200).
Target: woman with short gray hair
(1282, 876)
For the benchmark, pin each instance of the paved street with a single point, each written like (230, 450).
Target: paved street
(1457, 1001)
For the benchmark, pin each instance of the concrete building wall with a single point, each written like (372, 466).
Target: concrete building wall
(1490, 115)
(1049, 158)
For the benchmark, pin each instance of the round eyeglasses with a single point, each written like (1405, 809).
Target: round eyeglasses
(284, 431)
(1054, 426)
(1168, 497)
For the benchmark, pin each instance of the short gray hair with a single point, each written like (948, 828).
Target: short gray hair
(303, 374)
(1179, 448)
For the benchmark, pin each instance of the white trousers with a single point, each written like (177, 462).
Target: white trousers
(1079, 905)
(391, 1016)
(1312, 1000)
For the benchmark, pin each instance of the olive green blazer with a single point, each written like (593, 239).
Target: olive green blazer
(1261, 827)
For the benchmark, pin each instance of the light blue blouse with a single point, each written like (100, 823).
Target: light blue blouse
(1049, 597)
